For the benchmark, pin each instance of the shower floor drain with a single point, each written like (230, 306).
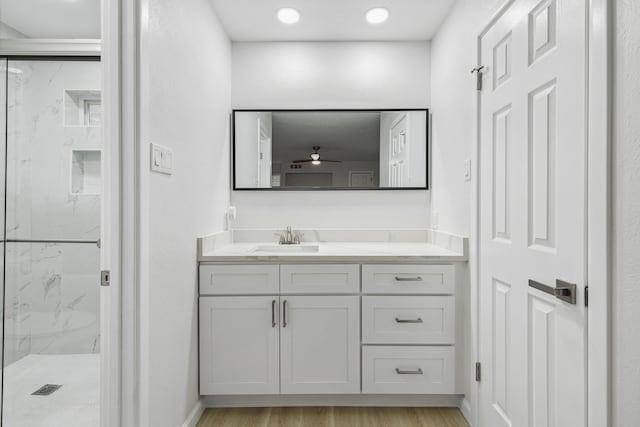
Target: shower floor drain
(46, 390)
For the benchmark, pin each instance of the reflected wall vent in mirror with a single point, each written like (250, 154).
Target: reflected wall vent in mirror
(82, 108)
(330, 149)
(85, 172)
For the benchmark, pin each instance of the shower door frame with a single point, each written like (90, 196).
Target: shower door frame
(120, 58)
(110, 238)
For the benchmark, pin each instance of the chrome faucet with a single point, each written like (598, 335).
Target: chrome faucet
(289, 237)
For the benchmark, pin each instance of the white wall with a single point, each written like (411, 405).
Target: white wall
(626, 216)
(453, 54)
(247, 150)
(453, 134)
(185, 104)
(339, 171)
(332, 75)
(7, 32)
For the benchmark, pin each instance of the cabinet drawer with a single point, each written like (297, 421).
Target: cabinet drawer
(408, 320)
(320, 279)
(238, 279)
(408, 370)
(408, 279)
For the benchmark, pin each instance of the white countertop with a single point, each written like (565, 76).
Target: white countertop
(225, 249)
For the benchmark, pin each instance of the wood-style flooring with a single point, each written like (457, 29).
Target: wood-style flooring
(332, 417)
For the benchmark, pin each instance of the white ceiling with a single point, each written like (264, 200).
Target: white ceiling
(62, 19)
(331, 20)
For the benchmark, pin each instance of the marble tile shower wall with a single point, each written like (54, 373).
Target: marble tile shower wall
(51, 290)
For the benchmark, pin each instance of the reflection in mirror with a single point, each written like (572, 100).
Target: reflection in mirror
(297, 150)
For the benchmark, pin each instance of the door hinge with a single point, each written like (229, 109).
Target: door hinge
(586, 296)
(105, 278)
(478, 372)
(478, 72)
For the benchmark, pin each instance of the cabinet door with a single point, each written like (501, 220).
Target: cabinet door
(320, 345)
(239, 342)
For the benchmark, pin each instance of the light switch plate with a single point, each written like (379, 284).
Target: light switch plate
(161, 159)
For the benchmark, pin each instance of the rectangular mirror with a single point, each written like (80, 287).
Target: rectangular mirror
(330, 149)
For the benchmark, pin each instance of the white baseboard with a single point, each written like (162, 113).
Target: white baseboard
(465, 408)
(412, 400)
(194, 415)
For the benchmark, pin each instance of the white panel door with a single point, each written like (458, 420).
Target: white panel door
(532, 215)
(239, 340)
(320, 344)
(399, 153)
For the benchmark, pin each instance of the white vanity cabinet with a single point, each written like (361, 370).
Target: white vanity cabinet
(331, 329)
(408, 329)
(279, 343)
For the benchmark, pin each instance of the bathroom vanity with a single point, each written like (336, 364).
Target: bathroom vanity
(358, 312)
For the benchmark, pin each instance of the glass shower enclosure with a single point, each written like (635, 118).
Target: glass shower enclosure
(50, 185)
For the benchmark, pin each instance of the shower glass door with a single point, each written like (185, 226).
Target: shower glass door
(51, 236)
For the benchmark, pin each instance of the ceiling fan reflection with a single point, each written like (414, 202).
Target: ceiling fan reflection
(315, 158)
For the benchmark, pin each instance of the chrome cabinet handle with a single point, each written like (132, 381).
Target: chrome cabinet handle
(284, 313)
(402, 372)
(408, 279)
(418, 320)
(274, 322)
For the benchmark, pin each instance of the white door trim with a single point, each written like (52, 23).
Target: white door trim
(120, 392)
(110, 314)
(51, 47)
(598, 214)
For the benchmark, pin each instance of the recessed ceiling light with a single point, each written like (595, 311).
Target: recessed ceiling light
(288, 15)
(377, 15)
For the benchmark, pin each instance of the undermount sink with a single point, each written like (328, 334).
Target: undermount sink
(291, 249)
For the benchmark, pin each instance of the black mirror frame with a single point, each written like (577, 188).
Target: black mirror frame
(280, 189)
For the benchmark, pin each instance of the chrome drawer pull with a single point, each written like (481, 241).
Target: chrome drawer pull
(402, 372)
(273, 314)
(408, 279)
(284, 313)
(418, 320)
